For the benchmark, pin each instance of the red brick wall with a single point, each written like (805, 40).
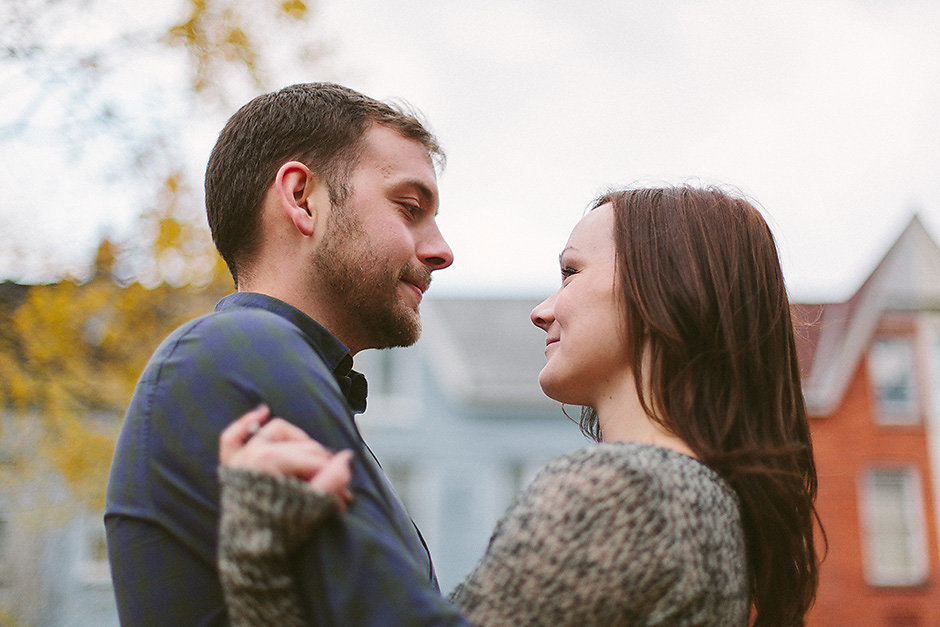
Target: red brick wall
(845, 444)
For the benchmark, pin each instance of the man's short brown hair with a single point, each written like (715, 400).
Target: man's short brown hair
(319, 124)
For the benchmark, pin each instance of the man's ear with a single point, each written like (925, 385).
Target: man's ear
(298, 195)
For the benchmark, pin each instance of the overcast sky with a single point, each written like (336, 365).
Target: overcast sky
(825, 111)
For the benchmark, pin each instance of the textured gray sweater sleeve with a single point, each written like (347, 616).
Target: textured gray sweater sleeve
(263, 520)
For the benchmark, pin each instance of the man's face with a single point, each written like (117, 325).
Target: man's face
(382, 244)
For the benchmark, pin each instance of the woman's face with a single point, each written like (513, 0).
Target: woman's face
(586, 347)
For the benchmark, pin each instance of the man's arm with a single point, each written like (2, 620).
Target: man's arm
(370, 567)
(373, 570)
(159, 515)
(152, 573)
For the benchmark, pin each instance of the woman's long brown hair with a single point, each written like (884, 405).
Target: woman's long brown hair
(706, 307)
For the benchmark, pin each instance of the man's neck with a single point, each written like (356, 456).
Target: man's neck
(307, 301)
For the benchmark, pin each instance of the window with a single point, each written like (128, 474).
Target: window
(93, 569)
(4, 541)
(393, 394)
(521, 473)
(893, 527)
(935, 373)
(400, 476)
(893, 376)
(383, 370)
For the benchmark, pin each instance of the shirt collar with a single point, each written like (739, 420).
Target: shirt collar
(333, 352)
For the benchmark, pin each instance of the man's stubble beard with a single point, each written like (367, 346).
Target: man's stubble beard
(363, 286)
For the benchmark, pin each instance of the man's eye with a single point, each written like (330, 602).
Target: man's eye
(567, 272)
(411, 209)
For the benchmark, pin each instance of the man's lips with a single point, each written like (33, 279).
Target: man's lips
(549, 341)
(420, 288)
(419, 279)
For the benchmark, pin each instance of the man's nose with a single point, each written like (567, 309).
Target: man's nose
(435, 252)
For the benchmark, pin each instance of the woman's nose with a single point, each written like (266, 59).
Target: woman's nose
(542, 315)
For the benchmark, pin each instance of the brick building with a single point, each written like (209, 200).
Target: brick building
(871, 369)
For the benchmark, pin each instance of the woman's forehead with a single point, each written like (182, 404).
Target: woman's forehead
(595, 228)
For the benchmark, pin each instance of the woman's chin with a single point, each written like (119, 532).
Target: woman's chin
(555, 389)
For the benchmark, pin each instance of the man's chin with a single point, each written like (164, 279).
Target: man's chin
(403, 330)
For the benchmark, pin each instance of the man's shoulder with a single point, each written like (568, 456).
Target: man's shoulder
(250, 320)
(234, 332)
(209, 371)
(239, 351)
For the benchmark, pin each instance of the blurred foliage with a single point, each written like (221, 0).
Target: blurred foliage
(117, 83)
(119, 90)
(71, 352)
(118, 87)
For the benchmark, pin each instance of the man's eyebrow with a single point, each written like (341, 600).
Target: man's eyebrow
(428, 196)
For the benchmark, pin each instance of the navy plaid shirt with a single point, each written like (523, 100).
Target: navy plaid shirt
(162, 510)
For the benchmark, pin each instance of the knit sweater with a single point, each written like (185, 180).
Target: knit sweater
(617, 534)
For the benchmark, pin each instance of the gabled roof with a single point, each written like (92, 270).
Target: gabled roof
(906, 279)
(486, 351)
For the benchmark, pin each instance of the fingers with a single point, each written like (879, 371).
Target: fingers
(276, 447)
(236, 434)
(285, 458)
(258, 424)
(279, 430)
(333, 478)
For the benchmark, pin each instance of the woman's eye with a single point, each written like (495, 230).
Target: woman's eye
(567, 272)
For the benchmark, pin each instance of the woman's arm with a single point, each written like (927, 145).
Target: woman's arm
(276, 485)
(381, 579)
(264, 519)
(540, 565)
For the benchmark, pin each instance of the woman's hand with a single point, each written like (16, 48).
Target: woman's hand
(275, 447)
